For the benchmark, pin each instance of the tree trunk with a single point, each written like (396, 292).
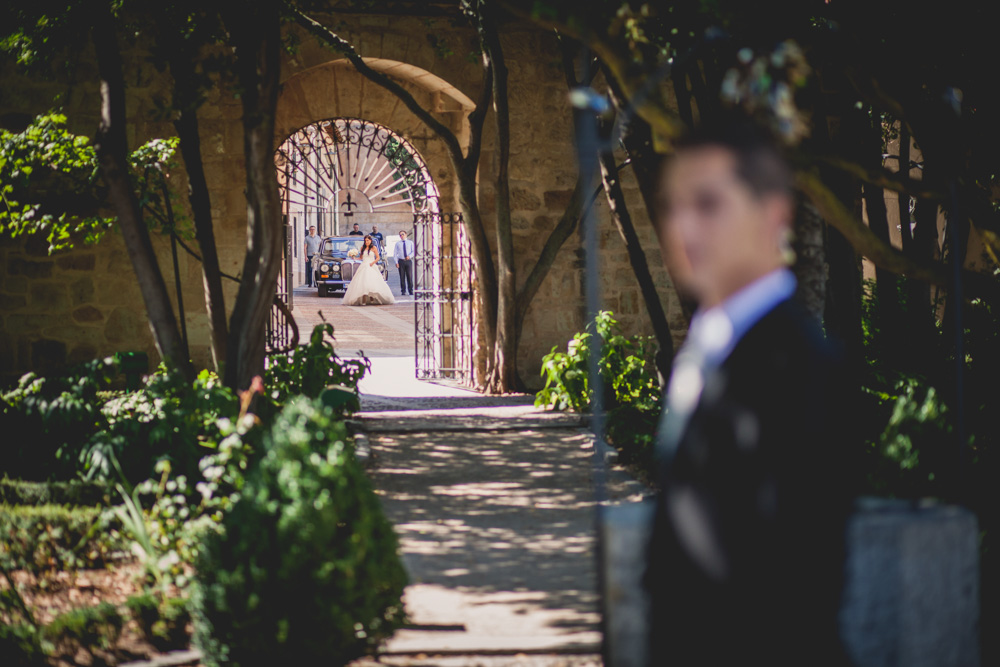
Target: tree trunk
(256, 38)
(112, 152)
(904, 199)
(810, 259)
(503, 376)
(637, 259)
(886, 308)
(637, 137)
(185, 92)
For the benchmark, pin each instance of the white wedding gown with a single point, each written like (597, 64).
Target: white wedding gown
(368, 282)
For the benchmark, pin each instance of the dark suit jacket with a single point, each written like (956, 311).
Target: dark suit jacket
(746, 558)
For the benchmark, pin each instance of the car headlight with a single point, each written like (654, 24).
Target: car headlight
(335, 268)
(324, 268)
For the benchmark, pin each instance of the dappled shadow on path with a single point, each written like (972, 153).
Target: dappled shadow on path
(375, 403)
(500, 517)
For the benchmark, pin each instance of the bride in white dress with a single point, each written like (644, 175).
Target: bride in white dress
(368, 287)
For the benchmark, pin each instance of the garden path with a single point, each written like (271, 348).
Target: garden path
(493, 502)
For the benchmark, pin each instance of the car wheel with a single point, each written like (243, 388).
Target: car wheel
(324, 290)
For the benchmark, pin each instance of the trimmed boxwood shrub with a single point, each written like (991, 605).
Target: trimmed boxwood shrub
(42, 538)
(87, 627)
(306, 568)
(75, 492)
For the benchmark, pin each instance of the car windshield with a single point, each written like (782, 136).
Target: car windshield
(340, 247)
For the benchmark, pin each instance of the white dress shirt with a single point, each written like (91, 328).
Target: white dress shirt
(403, 249)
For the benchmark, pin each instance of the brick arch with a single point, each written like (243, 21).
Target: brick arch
(335, 89)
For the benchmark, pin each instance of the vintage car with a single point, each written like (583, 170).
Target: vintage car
(337, 262)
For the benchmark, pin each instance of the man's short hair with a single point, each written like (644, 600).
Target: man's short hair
(760, 162)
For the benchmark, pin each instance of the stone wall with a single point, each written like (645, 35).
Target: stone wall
(83, 303)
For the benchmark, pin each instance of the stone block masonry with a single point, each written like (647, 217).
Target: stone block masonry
(85, 302)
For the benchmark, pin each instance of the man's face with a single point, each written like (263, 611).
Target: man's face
(402, 236)
(312, 231)
(717, 235)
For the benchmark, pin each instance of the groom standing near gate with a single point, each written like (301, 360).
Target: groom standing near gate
(755, 448)
(403, 252)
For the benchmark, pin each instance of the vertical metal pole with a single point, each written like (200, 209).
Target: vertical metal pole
(588, 144)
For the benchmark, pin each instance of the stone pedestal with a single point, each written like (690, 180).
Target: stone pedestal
(911, 594)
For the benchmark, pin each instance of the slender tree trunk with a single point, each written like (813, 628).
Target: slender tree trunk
(637, 138)
(885, 281)
(810, 258)
(201, 207)
(255, 35)
(637, 259)
(112, 152)
(503, 377)
(904, 199)
(886, 311)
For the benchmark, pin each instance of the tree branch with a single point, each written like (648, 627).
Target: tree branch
(879, 252)
(478, 117)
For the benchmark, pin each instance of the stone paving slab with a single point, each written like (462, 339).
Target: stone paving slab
(373, 330)
(496, 531)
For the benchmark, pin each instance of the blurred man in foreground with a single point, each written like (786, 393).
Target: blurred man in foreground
(746, 556)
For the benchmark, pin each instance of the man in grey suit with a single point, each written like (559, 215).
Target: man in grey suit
(403, 252)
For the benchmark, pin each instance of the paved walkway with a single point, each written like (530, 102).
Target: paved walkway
(493, 503)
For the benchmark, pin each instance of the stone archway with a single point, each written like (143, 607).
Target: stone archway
(335, 89)
(349, 151)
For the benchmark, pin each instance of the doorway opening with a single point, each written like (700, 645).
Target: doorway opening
(345, 174)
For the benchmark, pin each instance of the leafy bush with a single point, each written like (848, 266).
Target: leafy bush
(311, 368)
(169, 418)
(306, 569)
(44, 538)
(163, 621)
(60, 413)
(631, 391)
(626, 368)
(19, 645)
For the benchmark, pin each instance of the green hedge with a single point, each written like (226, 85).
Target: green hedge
(306, 569)
(48, 537)
(77, 492)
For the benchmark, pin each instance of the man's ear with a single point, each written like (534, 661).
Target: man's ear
(779, 210)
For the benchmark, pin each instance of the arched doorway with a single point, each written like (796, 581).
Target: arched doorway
(341, 172)
(344, 171)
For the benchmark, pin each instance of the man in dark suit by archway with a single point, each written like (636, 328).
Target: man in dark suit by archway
(746, 558)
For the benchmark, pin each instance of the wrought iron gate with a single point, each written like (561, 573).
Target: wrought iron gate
(282, 334)
(443, 293)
